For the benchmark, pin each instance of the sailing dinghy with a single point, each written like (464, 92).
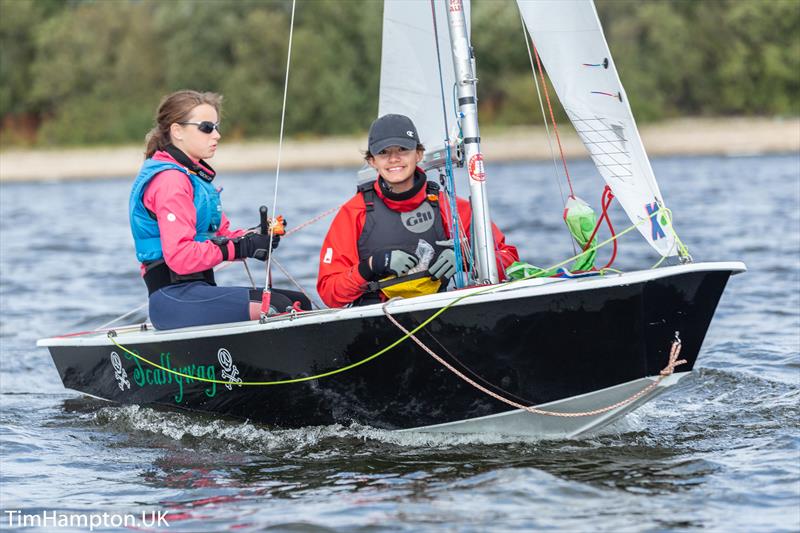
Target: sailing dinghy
(489, 357)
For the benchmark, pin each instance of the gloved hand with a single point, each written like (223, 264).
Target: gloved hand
(388, 262)
(445, 266)
(254, 245)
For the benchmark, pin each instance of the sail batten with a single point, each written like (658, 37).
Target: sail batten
(570, 42)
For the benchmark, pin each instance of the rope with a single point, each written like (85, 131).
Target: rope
(463, 239)
(312, 221)
(225, 265)
(459, 276)
(605, 202)
(552, 117)
(528, 39)
(120, 317)
(597, 246)
(297, 284)
(673, 361)
(266, 295)
(434, 316)
(112, 335)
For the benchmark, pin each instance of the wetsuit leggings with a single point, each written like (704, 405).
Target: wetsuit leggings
(197, 303)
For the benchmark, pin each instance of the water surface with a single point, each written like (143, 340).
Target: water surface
(720, 452)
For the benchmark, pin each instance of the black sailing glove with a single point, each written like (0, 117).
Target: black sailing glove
(254, 245)
(388, 262)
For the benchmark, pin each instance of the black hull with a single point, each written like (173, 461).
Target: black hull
(533, 349)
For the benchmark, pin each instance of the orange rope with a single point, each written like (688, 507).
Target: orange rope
(552, 118)
(673, 361)
(311, 221)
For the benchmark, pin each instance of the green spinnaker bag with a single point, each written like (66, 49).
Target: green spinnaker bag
(520, 270)
(580, 220)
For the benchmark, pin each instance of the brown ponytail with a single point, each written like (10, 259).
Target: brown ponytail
(176, 107)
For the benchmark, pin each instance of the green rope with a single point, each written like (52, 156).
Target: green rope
(630, 228)
(430, 319)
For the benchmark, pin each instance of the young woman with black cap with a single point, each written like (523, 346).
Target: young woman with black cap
(178, 226)
(376, 233)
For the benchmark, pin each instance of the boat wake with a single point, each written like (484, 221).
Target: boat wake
(247, 437)
(234, 436)
(765, 401)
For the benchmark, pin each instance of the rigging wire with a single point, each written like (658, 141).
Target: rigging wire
(463, 240)
(459, 277)
(296, 283)
(663, 210)
(120, 317)
(226, 264)
(265, 298)
(528, 38)
(552, 117)
(112, 334)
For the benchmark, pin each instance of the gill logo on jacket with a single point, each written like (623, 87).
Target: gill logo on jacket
(420, 219)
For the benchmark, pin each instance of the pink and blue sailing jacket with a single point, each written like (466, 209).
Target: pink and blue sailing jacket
(173, 214)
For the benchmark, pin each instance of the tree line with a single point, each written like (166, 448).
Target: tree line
(81, 72)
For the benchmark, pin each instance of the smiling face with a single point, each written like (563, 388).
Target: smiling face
(190, 140)
(396, 166)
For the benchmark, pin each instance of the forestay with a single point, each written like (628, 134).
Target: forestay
(570, 42)
(409, 67)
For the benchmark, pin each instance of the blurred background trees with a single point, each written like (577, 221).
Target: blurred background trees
(80, 72)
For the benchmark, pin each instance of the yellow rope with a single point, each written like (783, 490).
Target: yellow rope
(395, 343)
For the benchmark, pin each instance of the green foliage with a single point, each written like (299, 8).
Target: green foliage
(92, 72)
(710, 57)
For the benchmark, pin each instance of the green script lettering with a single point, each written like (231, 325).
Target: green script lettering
(157, 376)
(208, 373)
(138, 372)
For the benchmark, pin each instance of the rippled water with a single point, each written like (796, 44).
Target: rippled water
(720, 452)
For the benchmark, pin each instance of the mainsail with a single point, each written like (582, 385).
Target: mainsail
(410, 71)
(570, 42)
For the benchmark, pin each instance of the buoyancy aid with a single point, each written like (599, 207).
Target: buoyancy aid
(144, 226)
(385, 228)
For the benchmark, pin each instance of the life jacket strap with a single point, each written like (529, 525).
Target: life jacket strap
(432, 192)
(367, 191)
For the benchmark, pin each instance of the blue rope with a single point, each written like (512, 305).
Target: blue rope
(459, 276)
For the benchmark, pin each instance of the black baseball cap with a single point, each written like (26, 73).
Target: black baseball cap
(392, 130)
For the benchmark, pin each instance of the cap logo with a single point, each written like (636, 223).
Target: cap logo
(410, 133)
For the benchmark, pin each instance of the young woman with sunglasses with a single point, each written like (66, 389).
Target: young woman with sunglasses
(178, 226)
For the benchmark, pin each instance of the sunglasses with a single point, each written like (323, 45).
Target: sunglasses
(205, 127)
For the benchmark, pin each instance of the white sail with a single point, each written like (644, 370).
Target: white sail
(410, 70)
(570, 41)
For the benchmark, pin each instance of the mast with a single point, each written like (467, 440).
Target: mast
(466, 85)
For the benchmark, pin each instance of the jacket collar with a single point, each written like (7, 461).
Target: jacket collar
(199, 168)
(405, 201)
